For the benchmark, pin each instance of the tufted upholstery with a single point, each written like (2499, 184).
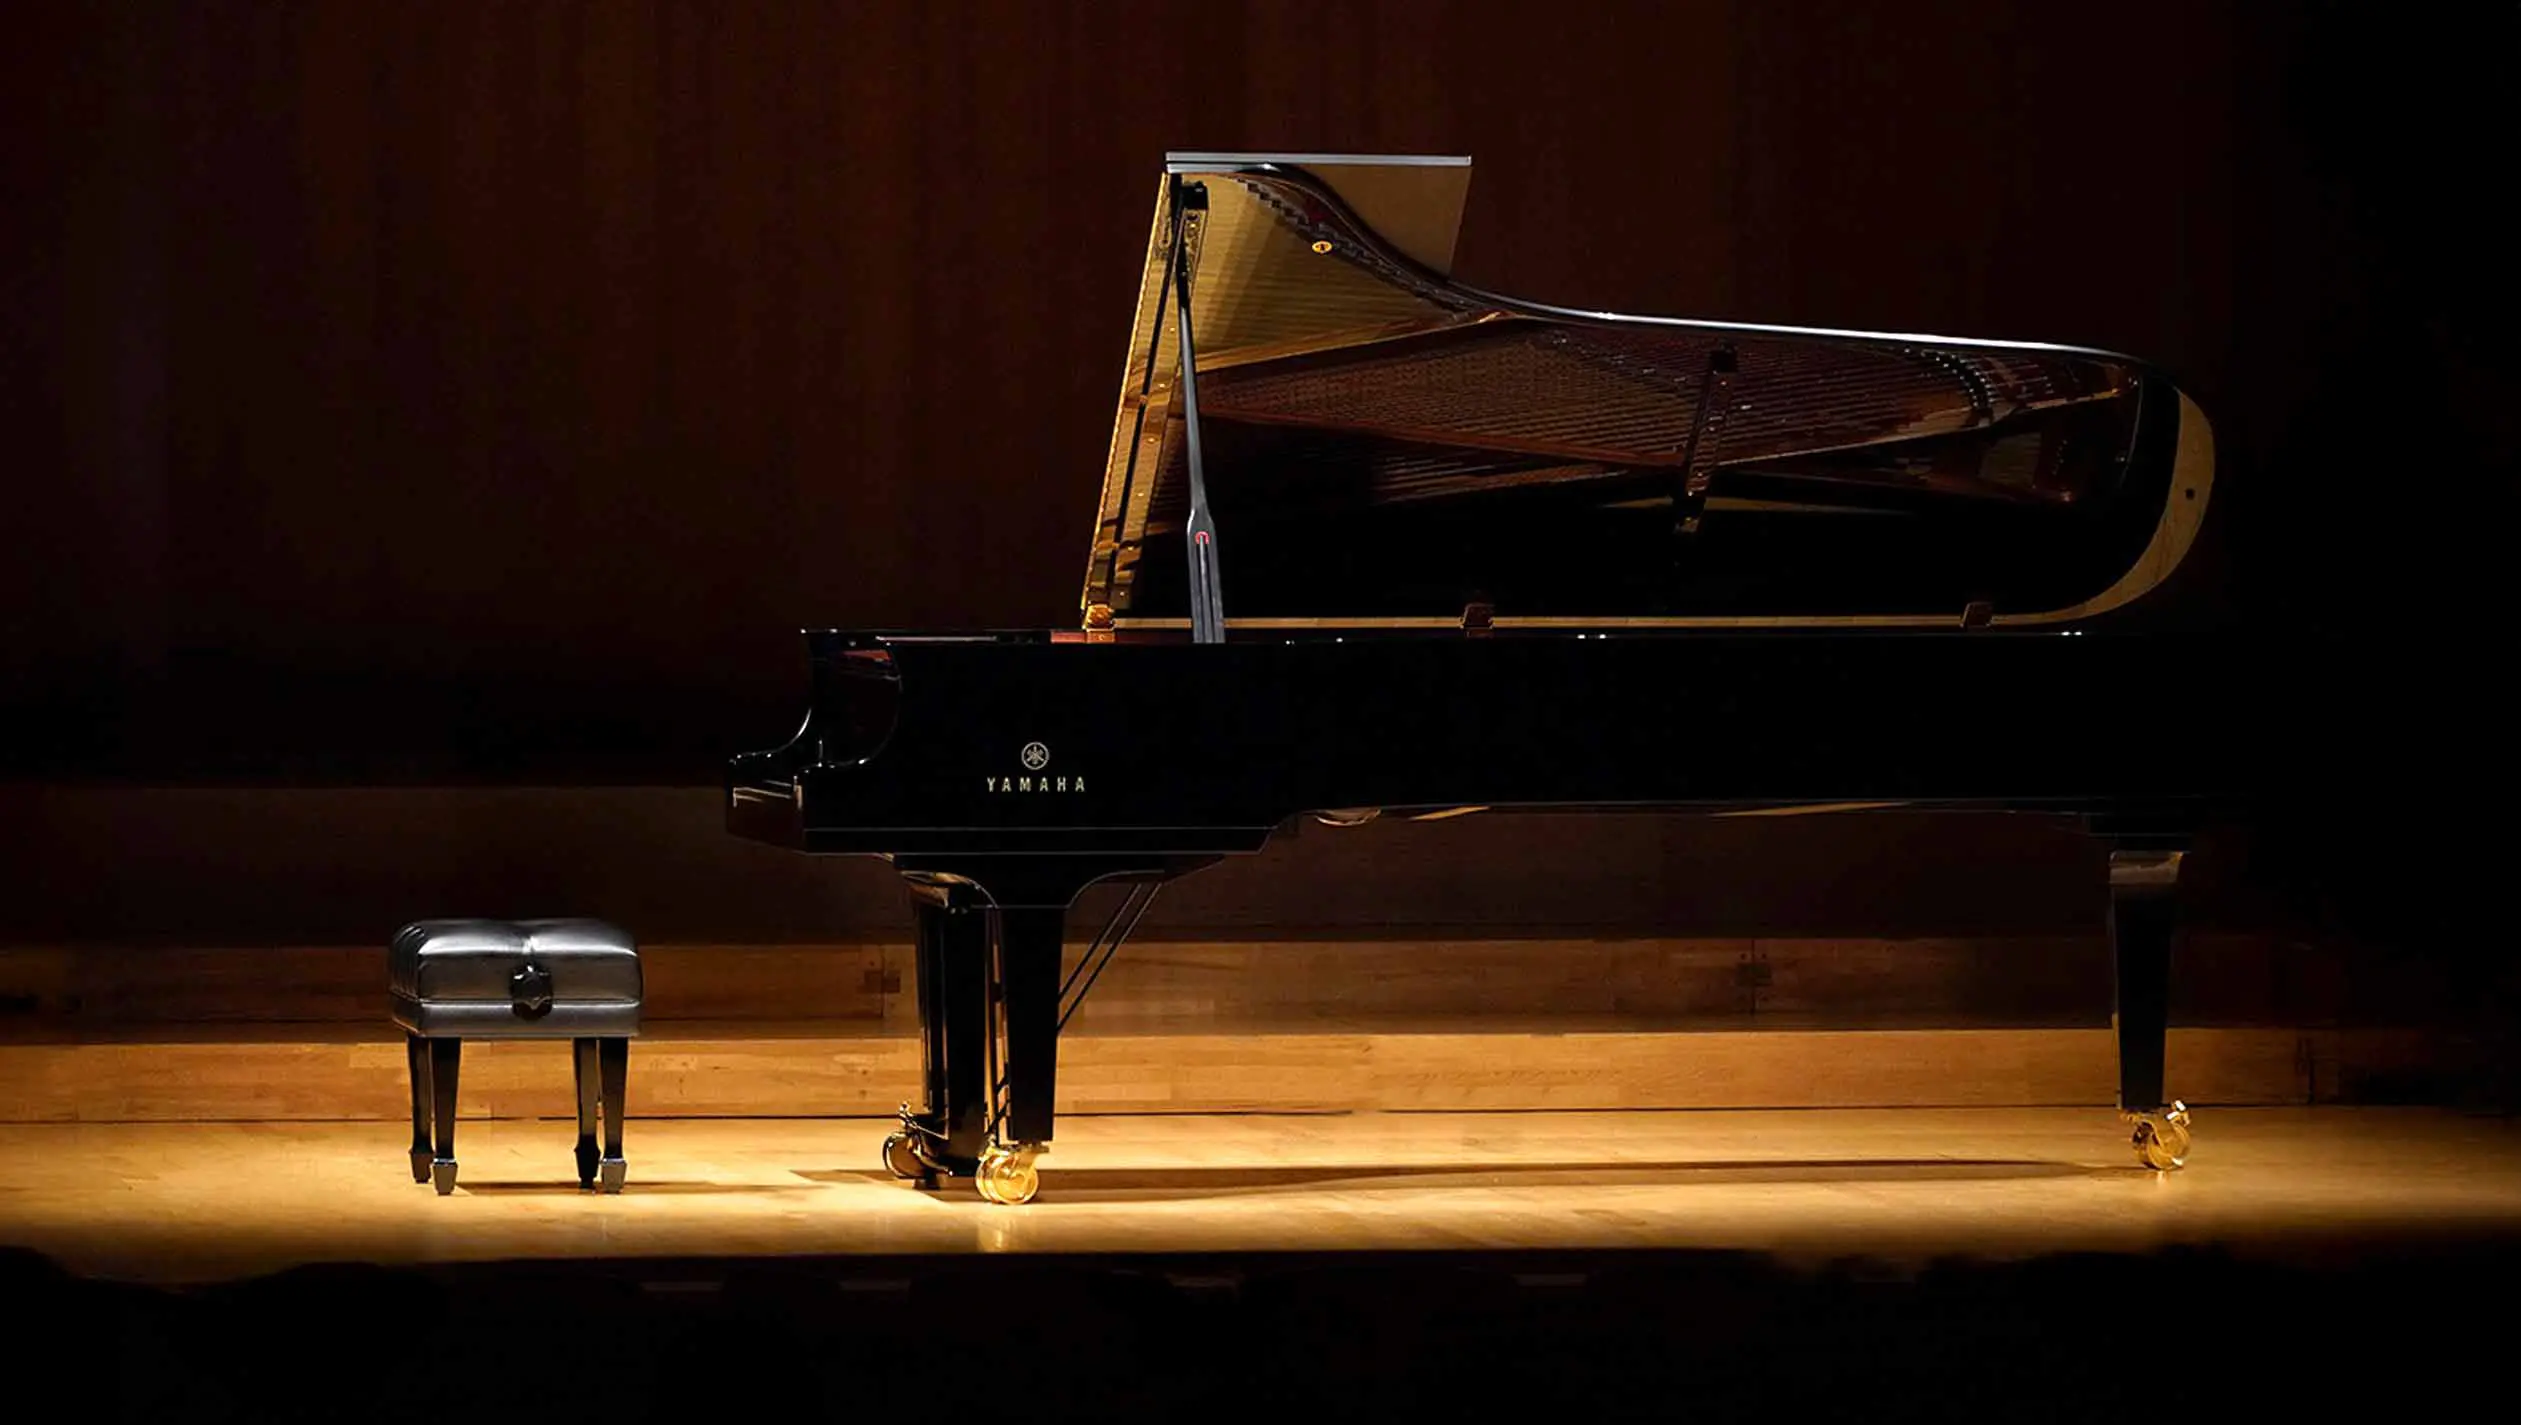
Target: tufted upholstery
(454, 977)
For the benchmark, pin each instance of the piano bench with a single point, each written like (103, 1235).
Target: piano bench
(453, 980)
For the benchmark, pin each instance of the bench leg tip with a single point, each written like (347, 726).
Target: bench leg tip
(442, 1173)
(615, 1172)
(420, 1161)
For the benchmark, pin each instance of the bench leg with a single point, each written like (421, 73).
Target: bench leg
(446, 1058)
(416, 1053)
(585, 1053)
(615, 1055)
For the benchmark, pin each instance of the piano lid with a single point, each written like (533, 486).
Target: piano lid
(1384, 446)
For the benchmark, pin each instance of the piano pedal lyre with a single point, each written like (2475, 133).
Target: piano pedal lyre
(911, 1153)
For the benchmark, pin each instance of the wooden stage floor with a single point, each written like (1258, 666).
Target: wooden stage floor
(175, 1203)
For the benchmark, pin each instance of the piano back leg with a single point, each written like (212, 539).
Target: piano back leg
(2144, 889)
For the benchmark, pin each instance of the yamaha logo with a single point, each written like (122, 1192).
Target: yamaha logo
(1035, 756)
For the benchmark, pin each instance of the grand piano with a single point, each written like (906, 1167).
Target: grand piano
(1374, 543)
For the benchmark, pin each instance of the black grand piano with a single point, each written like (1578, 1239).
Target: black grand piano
(1372, 543)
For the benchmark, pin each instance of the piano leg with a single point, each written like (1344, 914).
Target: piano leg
(991, 933)
(2144, 919)
(1029, 944)
(948, 1132)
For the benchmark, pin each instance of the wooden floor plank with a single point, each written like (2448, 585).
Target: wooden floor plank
(196, 1202)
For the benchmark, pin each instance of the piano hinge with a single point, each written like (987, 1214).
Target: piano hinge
(1098, 623)
(1977, 613)
(1479, 618)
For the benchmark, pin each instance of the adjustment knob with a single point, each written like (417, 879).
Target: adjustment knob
(529, 991)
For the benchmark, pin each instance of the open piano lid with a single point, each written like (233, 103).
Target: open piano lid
(1384, 447)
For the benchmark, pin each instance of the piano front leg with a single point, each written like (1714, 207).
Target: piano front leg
(949, 1130)
(1028, 962)
(992, 1001)
(2144, 920)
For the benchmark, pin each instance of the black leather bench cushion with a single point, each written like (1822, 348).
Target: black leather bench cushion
(566, 1019)
(453, 977)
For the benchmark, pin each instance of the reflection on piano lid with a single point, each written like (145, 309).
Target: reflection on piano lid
(1383, 446)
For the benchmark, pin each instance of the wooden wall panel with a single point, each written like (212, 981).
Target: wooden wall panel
(1177, 986)
(490, 391)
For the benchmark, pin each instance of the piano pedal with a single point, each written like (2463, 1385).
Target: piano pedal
(2162, 1139)
(916, 1152)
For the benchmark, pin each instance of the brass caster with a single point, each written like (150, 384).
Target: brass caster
(1006, 1176)
(2161, 1140)
(901, 1157)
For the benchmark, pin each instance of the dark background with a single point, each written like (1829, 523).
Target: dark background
(483, 395)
